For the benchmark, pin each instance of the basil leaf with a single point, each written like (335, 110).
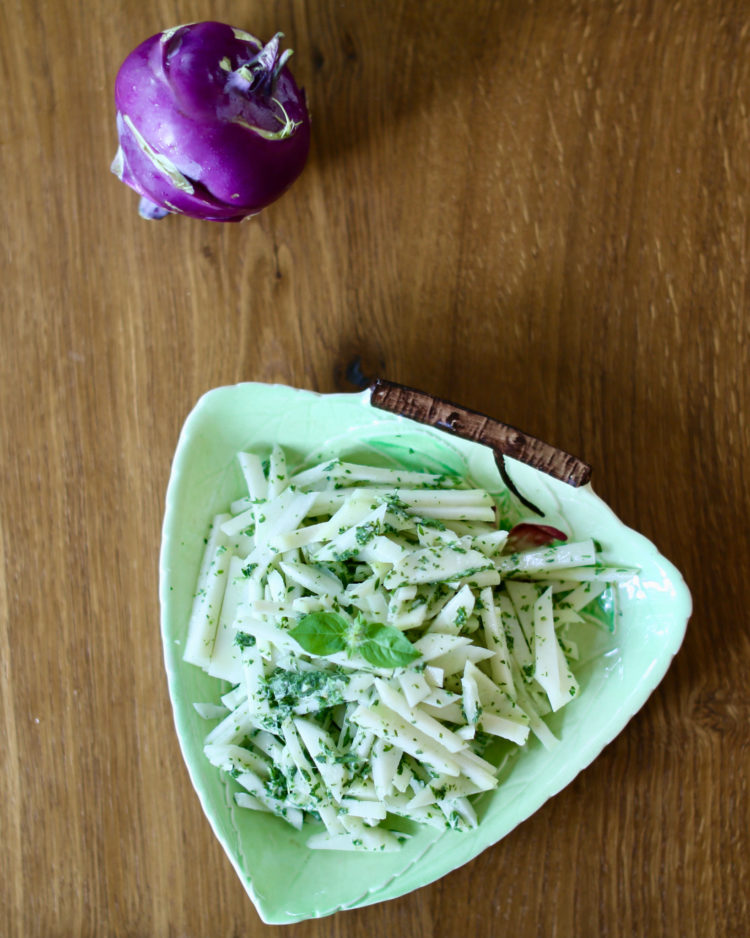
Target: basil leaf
(321, 633)
(386, 647)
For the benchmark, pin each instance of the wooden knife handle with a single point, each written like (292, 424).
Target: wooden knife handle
(470, 425)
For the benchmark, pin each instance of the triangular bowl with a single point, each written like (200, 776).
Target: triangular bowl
(286, 881)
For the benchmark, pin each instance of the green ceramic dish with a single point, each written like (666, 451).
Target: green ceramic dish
(286, 881)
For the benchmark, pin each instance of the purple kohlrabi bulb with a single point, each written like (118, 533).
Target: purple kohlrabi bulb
(211, 123)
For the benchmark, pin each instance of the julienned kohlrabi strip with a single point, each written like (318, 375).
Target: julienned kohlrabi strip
(381, 630)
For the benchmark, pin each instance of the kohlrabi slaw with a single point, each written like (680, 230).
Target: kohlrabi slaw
(380, 628)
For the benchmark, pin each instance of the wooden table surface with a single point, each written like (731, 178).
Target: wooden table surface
(540, 210)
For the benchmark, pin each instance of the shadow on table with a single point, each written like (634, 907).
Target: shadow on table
(369, 67)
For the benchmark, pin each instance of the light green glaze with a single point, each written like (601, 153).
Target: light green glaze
(285, 880)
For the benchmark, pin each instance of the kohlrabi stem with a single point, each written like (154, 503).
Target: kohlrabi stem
(150, 210)
(261, 73)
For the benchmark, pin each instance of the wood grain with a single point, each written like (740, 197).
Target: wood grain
(540, 210)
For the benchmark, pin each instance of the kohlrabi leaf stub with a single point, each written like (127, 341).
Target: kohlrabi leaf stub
(210, 121)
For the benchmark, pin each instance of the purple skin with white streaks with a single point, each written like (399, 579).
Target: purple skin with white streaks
(211, 123)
